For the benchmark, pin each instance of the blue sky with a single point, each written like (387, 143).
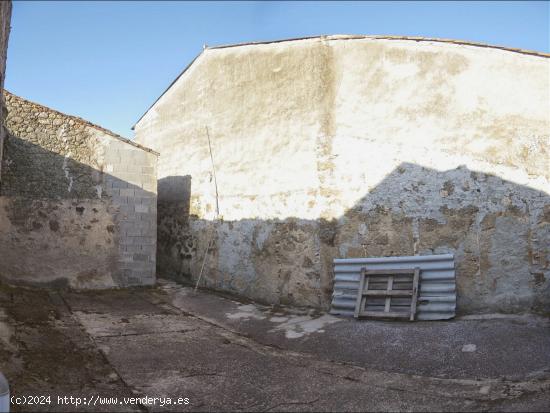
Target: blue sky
(108, 61)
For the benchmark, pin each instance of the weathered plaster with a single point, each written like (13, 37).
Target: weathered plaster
(77, 204)
(332, 147)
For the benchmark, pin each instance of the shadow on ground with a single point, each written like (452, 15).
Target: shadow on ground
(227, 355)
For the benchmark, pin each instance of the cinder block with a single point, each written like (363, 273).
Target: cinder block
(149, 187)
(133, 265)
(150, 201)
(112, 157)
(130, 192)
(144, 216)
(124, 240)
(133, 231)
(120, 200)
(133, 249)
(141, 257)
(119, 183)
(143, 240)
(129, 222)
(147, 232)
(133, 280)
(150, 250)
(147, 194)
(126, 209)
(141, 208)
(120, 167)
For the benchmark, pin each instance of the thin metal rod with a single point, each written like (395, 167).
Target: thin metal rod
(204, 261)
(217, 211)
(214, 173)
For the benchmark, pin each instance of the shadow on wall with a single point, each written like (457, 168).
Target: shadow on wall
(65, 223)
(175, 245)
(498, 230)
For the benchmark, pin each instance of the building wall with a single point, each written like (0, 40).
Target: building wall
(5, 19)
(348, 147)
(77, 203)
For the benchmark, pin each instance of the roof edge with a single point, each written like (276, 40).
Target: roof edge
(389, 37)
(347, 37)
(87, 123)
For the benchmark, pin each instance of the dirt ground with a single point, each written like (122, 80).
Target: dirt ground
(112, 350)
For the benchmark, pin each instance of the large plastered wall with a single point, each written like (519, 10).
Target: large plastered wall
(343, 147)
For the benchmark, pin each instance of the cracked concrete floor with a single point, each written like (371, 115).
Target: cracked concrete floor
(223, 354)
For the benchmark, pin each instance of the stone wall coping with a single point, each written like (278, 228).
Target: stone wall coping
(84, 122)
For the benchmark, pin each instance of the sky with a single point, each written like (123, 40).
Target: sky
(107, 62)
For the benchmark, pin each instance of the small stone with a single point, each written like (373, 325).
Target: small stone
(113, 377)
(469, 348)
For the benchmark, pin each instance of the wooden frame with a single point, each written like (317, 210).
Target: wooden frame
(364, 293)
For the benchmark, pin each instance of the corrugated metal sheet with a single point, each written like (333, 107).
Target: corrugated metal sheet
(437, 296)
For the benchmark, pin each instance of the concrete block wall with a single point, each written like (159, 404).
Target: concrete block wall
(131, 184)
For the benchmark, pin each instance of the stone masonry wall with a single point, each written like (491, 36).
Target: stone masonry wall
(5, 18)
(352, 146)
(77, 203)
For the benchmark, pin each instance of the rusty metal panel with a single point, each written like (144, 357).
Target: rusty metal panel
(437, 295)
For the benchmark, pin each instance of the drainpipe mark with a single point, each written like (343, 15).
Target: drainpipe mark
(67, 175)
(65, 167)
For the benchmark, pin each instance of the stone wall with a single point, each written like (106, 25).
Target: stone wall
(77, 202)
(5, 19)
(349, 147)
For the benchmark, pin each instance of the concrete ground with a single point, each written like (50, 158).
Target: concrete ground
(223, 354)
